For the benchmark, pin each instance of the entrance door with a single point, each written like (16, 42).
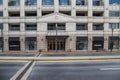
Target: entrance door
(98, 45)
(52, 45)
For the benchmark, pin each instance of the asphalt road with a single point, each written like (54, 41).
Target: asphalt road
(76, 71)
(8, 69)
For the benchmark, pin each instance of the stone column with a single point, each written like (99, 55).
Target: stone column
(22, 7)
(56, 6)
(5, 8)
(22, 43)
(39, 7)
(90, 8)
(73, 4)
(106, 40)
(106, 7)
(90, 28)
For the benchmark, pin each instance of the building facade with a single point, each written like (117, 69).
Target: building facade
(59, 25)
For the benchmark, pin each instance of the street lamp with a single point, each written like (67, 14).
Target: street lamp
(1, 27)
(56, 27)
(111, 42)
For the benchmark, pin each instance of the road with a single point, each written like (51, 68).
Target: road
(8, 69)
(75, 71)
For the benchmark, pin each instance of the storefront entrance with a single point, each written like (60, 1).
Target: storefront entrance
(53, 45)
(56, 43)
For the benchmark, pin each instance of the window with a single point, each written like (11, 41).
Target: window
(81, 27)
(14, 27)
(66, 12)
(30, 13)
(114, 25)
(82, 43)
(80, 2)
(1, 26)
(30, 43)
(64, 2)
(1, 14)
(53, 26)
(46, 12)
(31, 2)
(98, 14)
(47, 2)
(1, 2)
(31, 27)
(81, 13)
(14, 14)
(115, 2)
(114, 13)
(98, 27)
(97, 2)
(14, 3)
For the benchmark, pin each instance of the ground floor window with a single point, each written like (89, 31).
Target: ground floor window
(30, 43)
(82, 43)
(114, 42)
(14, 44)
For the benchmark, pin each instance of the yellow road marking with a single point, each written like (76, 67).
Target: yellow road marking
(77, 60)
(14, 61)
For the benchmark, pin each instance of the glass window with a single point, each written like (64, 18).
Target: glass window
(14, 3)
(114, 2)
(113, 42)
(82, 44)
(31, 27)
(59, 27)
(80, 2)
(14, 27)
(1, 2)
(1, 14)
(114, 13)
(31, 43)
(47, 2)
(31, 2)
(97, 2)
(114, 25)
(81, 27)
(64, 2)
(1, 26)
(98, 27)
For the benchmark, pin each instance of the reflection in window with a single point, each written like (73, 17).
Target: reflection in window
(115, 2)
(64, 2)
(30, 2)
(47, 2)
(114, 13)
(14, 3)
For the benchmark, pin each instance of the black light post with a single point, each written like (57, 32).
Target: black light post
(111, 44)
(2, 37)
(56, 37)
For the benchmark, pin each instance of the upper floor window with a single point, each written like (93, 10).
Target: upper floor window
(47, 2)
(31, 27)
(98, 27)
(14, 14)
(30, 2)
(1, 26)
(97, 3)
(1, 13)
(14, 3)
(80, 2)
(54, 27)
(81, 27)
(114, 13)
(14, 27)
(114, 2)
(64, 2)
(1, 2)
(114, 25)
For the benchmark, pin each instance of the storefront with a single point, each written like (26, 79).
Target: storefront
(30, 43)
(82, 43)
(98, 43)
(14, 43)
(113, 42)
(56, 43)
